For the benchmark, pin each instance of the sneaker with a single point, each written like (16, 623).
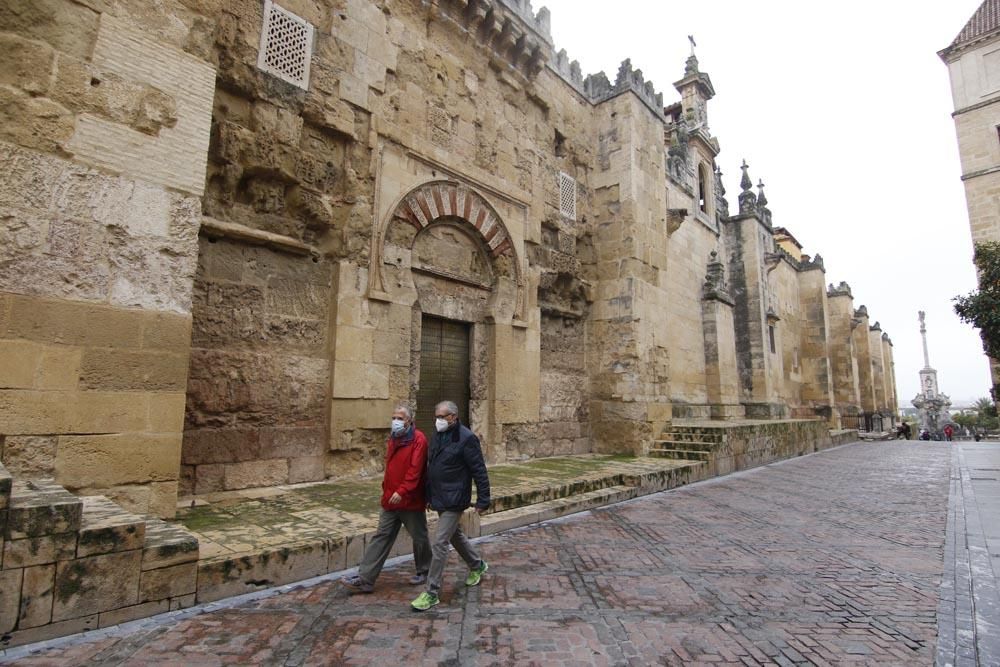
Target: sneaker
(476, 574)
(424, 601)
(418, 579)
(356, 584)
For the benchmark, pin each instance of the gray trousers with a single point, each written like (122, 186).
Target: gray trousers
(385, 535)
(448, 531)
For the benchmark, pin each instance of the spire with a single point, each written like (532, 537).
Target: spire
(761, 197)
(748, 200)
(715, 281)
(722, 204)
(923, 334)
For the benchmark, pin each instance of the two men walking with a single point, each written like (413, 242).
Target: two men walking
(438, 476)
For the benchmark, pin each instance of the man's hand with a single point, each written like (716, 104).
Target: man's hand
(480, 510)
(395, 498)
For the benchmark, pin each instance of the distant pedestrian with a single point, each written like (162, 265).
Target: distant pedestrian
(948, 432)
(907, 432)
(454, 461)
(403, 504)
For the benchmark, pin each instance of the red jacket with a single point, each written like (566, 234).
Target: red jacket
(405, 472)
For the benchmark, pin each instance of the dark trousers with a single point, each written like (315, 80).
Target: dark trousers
(385, 536)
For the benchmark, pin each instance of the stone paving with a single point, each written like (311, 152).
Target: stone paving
(235, 523)
(834, 558)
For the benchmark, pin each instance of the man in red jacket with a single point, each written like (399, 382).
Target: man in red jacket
(403, 503)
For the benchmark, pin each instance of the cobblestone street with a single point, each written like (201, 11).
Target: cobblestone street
(834, 558)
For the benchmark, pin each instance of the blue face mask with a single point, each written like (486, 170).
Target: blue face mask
(398, 427)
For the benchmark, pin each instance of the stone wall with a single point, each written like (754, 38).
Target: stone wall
(843, 358)
(104, 119)
(862, 347)
(788, 332)
(628, 324)
(975, 87)
(71, 564)
(564, 420)
(216, 279)
(259, 373)
(816, 350)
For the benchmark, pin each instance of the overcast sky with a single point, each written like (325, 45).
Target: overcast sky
(844, 110)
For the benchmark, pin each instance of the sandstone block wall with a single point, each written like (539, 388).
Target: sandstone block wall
(816, 350)
(214, 279)
(862, 345)
(104, 122)
(71, 564)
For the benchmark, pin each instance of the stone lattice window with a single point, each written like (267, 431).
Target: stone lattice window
(285, 45)
(567, 196)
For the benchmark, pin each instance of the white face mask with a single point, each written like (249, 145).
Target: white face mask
(398, 426)
(441, 425)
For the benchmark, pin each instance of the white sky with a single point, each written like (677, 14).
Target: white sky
(844, 110)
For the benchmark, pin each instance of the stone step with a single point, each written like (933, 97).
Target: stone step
(682, 454)
(683, 436)
(167, 544)
(551, 509)
(41, 507)
(687, 445)
(105, 528)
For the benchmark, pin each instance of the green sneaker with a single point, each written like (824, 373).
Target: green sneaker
(424, 601)
(476, 574)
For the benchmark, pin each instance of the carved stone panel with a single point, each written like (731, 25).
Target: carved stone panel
(447, 250)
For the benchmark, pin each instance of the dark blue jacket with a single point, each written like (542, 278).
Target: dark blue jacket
(454, 460)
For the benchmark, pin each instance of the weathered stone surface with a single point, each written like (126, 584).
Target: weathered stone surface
(167, 545)
(306, 469)
(33, 122)
(29, 63)
(256, 473)
(224, 577)
(168, 582)
(71, 28)
(52, 630)
(41, 508)
(108, 460)
(90, 585)
(6, 485)
(255, 389)
(133, 612)
(39, 550)
(203, 446)
(10, 598)
(37, 596)
(106, 527)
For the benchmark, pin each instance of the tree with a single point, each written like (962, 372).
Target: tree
(985, 407)
(981, 308)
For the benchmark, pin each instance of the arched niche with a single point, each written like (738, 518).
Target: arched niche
(450, 232)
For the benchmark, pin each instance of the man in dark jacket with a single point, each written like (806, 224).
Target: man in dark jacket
(403, 504)
(454, 460)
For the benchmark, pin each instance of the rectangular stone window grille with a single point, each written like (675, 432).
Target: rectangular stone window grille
(285, 45)
(567, 196)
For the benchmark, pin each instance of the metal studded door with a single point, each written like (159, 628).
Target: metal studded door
(444, 369)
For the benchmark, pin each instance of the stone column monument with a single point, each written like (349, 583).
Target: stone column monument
(932, 406)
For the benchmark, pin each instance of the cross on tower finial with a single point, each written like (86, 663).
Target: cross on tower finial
(691, 66)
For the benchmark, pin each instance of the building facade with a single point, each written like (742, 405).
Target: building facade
(235, 233)
(973, 60)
